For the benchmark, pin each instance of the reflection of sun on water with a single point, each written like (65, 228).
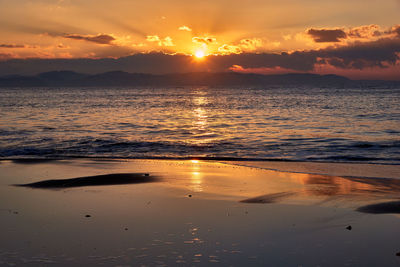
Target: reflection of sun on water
(200, 129)
(201, 116)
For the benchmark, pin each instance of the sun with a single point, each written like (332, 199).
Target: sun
(199, 54)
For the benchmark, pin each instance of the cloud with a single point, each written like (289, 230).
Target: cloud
(204, 40)
(152, 38)
(359, 55)
(364, 32)
(361, 33)
(185, 28)
(326, 36)
(103, 39)
(263, 70)
(251, 44)
(12, 46)
(287, 37)
(229, 49)
(5, 56)
(380, 54)
(167, 41)
(62, 46)
(395, 30)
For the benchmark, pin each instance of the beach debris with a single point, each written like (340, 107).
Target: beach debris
(88, 215)
(349, 227)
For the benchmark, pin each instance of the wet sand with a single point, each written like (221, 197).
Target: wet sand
(169, 212)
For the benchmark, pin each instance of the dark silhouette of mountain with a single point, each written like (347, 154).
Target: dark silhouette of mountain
(120, 78)
(61, 76)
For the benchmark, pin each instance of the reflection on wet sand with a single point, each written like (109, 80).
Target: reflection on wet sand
(249, 185)
(330, 186)
(322, 189)
(212, 180)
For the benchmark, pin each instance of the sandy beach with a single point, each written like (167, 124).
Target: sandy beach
(198, 213)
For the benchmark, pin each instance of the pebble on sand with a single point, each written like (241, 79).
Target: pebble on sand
(349, 227)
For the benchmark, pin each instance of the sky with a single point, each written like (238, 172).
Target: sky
(358, 38)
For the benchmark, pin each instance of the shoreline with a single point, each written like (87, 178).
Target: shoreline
(344, 169)
(205, 158)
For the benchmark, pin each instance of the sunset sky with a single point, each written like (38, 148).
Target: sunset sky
(358, 38)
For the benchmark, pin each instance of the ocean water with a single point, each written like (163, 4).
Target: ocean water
(308, 124)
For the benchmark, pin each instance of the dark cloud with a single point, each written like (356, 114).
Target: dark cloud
(327, 36)
(360, 55)
(99, 39)
(12, 46)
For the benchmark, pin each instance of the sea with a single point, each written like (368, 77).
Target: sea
(260, 123)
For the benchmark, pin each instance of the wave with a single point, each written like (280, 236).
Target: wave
(287, 150)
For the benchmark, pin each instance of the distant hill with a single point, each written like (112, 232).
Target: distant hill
(120, 78)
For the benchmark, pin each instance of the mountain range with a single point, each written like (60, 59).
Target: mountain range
(120, 78)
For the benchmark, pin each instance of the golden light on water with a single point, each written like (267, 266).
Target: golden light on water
(196, 177)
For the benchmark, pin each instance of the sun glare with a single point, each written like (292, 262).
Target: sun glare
(199, 54)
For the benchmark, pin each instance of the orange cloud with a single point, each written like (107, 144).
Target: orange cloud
(251, 44)
(185, 28)
(167, 41)
(152, 38)
(6, 56)
(263, 70)
(365, 31)
(395, 30)
(229, 49)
